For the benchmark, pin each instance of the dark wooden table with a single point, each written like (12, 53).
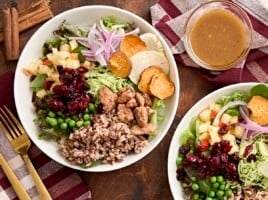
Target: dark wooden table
(147, 179)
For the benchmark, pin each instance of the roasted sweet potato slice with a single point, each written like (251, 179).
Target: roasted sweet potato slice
(132, 44)
(146, 77)
(161, 87)
(119, 64)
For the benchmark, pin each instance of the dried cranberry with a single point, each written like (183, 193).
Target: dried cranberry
(231, 170)
(181, 175)
(224, 128)
(191, 158)
(215, 163)
(248, 150)
(251, 157)
(82, 69)
(224, 159)
(48, 84)
(234, 157)
(61, 90)
(226, 148)
(55, 104)
(216, 148)
(184, 149)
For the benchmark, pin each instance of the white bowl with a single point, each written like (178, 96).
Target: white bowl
(33, 50)
(174, 184)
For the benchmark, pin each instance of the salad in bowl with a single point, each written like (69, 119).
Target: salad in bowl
(99, 91)
(220, 148)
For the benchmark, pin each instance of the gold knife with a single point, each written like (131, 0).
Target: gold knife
(16, 184)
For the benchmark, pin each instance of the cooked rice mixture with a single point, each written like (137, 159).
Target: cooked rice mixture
(107, 140)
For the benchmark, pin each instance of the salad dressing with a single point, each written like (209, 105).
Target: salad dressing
(218, 38)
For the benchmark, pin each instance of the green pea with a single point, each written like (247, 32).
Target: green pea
(219, 193)
(195, 196)
(75, 117)
(213, 179)
(195, 186)
(86, 117)
(179, 160)
(52, 122)
(222, 187)
(209, 198)
(91, 108)
(67, 119)
(71, 123)
(60, 120)
(211, 194)
(228, 192)
(215, 185)
(51, 114)
(47, 120)
(194, 179)
(60, 114)
(64, 126)
(220, 179)
(79, 123)
(86, 123)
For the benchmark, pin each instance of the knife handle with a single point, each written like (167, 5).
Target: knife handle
(16, 184)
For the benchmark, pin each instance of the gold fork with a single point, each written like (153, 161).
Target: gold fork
(21, 143)
(16, 184)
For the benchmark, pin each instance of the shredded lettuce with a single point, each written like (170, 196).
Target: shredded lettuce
(101, 76)
(156, 117)
(249, 172)
(236, 96)
(61, 36)
(111, 22)
(38, 82)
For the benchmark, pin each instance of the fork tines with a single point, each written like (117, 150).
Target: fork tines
(10, 123)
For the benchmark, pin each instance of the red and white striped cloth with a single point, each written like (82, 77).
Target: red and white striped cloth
(169, 17)
(62, 182)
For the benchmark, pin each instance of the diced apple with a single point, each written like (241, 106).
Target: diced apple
(226, 119)
(204, 136)
(234, 120)
(203, 127)
(238, 131)
(41, 93)
(205, 115)
(215, 107)
(65, 47)
(214, 136)
(73, 44)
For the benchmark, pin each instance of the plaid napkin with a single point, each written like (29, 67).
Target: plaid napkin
(62, 183)
(169, 17)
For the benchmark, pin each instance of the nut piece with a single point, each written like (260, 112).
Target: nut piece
(161, 87)
(146, 77)
(119, 64)
(132, 44)
(259, 110)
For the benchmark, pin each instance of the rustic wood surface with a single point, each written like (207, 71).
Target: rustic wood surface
(147, 179)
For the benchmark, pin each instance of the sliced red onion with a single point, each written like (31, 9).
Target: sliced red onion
(250, 125)
(101, 43)
(227, 106)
